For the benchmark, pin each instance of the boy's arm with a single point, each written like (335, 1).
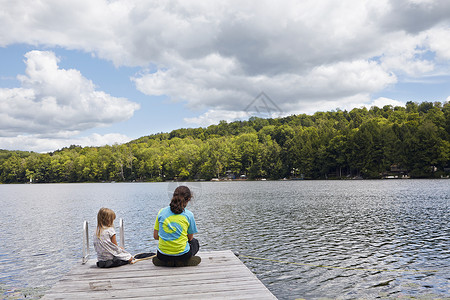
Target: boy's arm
(190, 237)
(155, 234)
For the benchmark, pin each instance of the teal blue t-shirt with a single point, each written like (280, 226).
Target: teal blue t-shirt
(173, 230)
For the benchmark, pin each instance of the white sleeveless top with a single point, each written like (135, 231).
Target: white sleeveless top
(107, 250)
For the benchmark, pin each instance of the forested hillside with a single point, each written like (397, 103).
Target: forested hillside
(413, 140)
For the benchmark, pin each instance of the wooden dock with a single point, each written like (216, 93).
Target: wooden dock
(220, 275)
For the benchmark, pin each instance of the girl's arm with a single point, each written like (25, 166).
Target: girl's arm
(190, 237)
(114, 240)
(155, 234)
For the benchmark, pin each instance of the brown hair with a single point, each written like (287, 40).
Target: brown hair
(181, 196)
(105, 219)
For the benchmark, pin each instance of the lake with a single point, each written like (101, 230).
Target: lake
(306, 239)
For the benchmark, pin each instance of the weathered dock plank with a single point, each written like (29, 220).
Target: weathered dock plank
(221, 275)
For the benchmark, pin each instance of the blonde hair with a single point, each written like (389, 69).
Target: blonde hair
(105, 219)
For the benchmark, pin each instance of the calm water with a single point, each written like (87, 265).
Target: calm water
(354, 227)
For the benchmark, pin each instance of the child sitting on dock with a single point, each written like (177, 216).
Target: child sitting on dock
(109, 254)
(174, 229)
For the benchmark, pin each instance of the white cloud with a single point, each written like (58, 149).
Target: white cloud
(343, 103)
(55, 102)
(414, 16)
(382, 101)
(221, 84)
(406, 54)
(263, 36)
(37, 143)
(303, 55)
(217, 56)
(215, 116)
(438, 40)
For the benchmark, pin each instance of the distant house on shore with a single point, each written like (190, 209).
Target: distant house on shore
(230, 175)
(396, 171)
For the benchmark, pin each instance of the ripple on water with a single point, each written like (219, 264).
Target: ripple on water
(337, 232)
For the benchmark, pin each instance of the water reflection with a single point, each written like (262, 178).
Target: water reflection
(370, 225)
(346, 225)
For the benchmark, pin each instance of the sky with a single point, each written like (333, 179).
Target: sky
(97, 72)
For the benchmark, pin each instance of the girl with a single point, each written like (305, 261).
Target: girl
(109, 254)
(174, 229)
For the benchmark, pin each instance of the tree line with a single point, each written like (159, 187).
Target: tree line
(369, 143)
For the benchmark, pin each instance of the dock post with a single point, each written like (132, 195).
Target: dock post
(85, 257)
(122, 234)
